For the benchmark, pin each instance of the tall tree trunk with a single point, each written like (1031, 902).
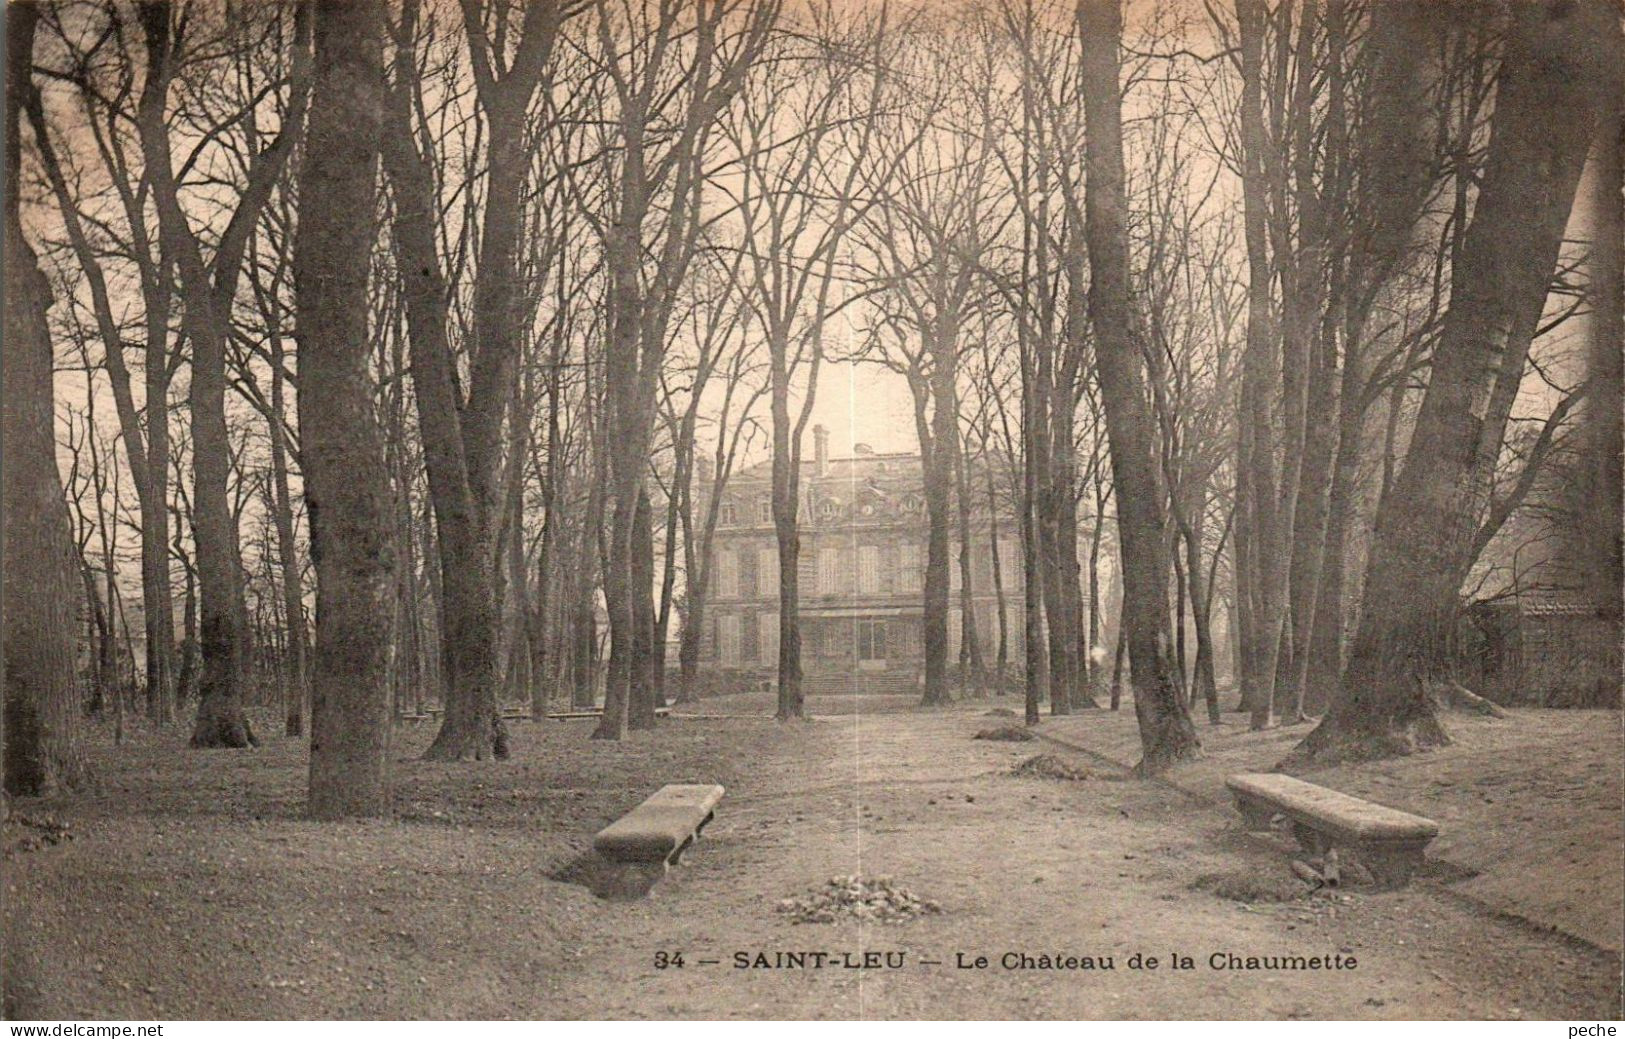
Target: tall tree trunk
(787, 534)
(1059, 586)
(347, 490)
(1557, 54)
(1002, 660)
(1264, 579)
(1325, 663)
(98, 638)
(148, 452)
(1309, 539)
(1053, 587)
(972, 669)
(1201, 598)
(542, 687)
(158, 599)
(1068, 572)
(937, 455)
(1599, 513)
(42, 752)
(642, 706)
(792, 703)
(1094, 594)
(630, 426)
(1032, 617)
(186, 676)
(469, 625)
(462, 437)
(293, 598)
(207, 292)
(1166, 733)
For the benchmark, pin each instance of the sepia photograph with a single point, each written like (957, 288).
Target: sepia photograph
(863, 510)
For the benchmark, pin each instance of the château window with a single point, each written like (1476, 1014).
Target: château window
(910, 571)
(869, 569)
(748, 558)
(835, 643)
(729, 515)
(829, 571)
(871, 640)
(750, 639)
(764, 511)
(727, 575)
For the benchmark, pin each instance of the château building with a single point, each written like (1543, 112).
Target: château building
(862, 574)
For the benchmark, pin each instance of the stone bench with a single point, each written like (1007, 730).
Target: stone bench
(580, 713)
(660, 829)
(1389, 843)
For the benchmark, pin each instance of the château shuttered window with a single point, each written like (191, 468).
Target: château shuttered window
(727, 575)
(829, 571)
(871, 640)
(910, 569)
(770, 638)
(868, 569)
(728, 636)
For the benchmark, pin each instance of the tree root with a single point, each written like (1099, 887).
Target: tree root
(459, 741)
(228, 729)
(1454, 694)
(1323, 747)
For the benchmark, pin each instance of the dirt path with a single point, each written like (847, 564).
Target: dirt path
(1101, 868)
(193, 890)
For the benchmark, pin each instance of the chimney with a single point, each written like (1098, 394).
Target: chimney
(820, 450)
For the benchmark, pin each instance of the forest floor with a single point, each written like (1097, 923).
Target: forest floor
(188, 886)
(1528, 806)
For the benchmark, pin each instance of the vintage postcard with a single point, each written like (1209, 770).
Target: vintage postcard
(869, 510)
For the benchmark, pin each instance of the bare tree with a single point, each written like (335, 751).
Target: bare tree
(42, 752)
(924, 239)
(1166, 733)
(462, 433)
(346, 483)
(207, 291)
(1556, 58)
(672, 70)
(795, 202)
(1599, 510)
(143, 430)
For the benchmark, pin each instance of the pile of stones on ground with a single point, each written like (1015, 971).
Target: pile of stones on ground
(24, 833)
(877, 900)
(1006, 734)
(1048, 766)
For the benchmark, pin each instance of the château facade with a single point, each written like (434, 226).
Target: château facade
(862, 574)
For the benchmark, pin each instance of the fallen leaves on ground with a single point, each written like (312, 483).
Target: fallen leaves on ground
(25, 833)
(879, 900)
(1006, 734)
(1048, 766)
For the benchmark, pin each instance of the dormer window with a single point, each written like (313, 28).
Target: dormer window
(764, 511)
(829, 509)
(729, 515)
